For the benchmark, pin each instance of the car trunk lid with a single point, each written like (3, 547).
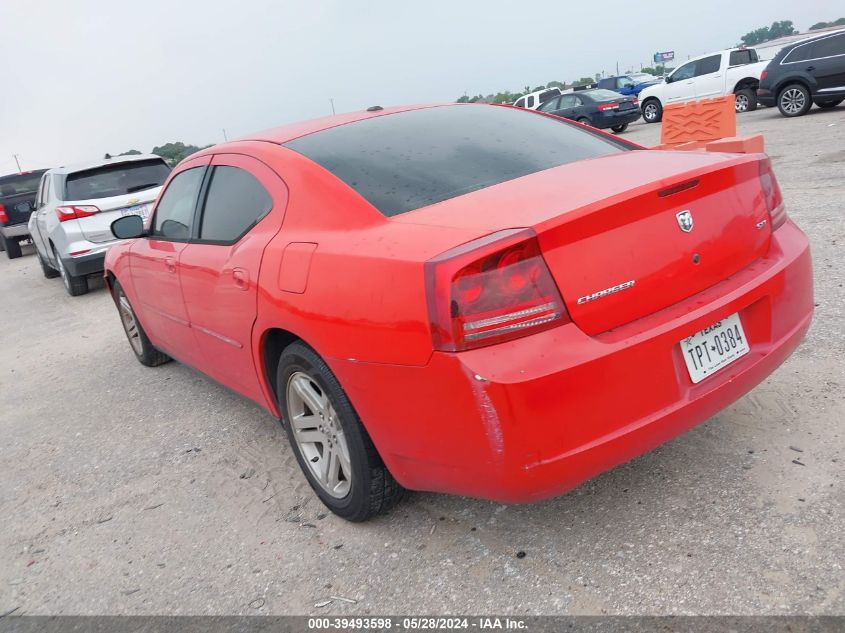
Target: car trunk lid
(97, 227)
(615, 231)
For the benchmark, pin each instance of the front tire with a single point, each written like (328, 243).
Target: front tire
(584, 121)
(829, 104)
(652, 111)
(745, 100)
(618, 129)
(331, 444)
(12, 247)
(74, 285)
(144, 350)
(794, 100)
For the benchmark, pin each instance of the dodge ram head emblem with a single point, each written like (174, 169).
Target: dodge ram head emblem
(684, 220)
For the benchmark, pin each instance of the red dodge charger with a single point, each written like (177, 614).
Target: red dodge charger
(471, 299)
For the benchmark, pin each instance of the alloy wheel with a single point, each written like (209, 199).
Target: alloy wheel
(741, 103)
(793, 101)
(130, 324)
(319, 434)
(650, 112)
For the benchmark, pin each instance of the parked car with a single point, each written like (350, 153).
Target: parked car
(810, 71)
(533, 100)
(631, 84)
(469, 299)
(735, 71)
(598, 108)
(17, 199)
(76, 205)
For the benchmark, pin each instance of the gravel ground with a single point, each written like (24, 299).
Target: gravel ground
(128, 490)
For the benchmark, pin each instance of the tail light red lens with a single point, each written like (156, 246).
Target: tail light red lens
(771, 194)
(74, 212)
(4, 217)
(763, 75)
(491, 290)
(608, 106)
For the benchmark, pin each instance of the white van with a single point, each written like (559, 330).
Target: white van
(533, 100)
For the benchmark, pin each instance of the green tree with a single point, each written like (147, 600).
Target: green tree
(766, 33)
(173, 153)
(463, 99)
(584, 80)
(824, 25)
(556, 84)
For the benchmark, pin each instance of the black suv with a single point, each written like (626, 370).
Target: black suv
(804, 73)
(17, 200)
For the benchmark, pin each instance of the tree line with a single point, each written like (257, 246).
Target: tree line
(173, 153)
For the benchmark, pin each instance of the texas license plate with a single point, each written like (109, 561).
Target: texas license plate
(714, 347)
(139, 209)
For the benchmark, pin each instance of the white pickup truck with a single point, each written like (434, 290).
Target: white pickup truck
(734, 71)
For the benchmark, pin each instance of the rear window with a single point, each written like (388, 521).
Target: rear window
(400, 162)
(742, 57)
(20, 183)
(116, 179)
(602, 95)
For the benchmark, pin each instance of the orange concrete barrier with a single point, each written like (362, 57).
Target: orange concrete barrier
(705, 120)
(738, 144)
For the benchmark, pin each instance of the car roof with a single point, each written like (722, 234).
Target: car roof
(291, 131)
(75, 167)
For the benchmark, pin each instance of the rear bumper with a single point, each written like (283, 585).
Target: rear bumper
(766, 98)
(85, 264)
(15, 230)
(612, 118)
(535, 417)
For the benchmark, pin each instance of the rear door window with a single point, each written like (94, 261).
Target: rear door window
(829, 47)
(116, 179)
(175, 211)
(708, 65)
(403, 161)
(235, 202)
(741, 57)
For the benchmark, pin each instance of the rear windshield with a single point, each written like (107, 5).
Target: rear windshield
(116, 179)
(400, 162)
(20, 183)
(602, 95)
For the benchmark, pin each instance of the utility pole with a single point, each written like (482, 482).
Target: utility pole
(332, 102)
(18, 163)
(225, 138)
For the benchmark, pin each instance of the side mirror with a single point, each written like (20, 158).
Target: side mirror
(128, 227)
(668, 79)
(629, 85)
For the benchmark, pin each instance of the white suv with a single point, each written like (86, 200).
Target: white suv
(75, 206)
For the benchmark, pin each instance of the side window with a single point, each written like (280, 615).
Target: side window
(829, 47)
(799, 54)
(567, 101)
(235, 202)
(529, 102)
(687, 71)
(708, 65)
(550, 106)
(576, 101)
(623, 81)
(175, 210)
(520, 103)
(741, 57)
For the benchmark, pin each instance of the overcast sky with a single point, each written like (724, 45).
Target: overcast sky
(80, 78)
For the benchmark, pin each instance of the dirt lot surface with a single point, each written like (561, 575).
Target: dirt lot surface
(156, 491)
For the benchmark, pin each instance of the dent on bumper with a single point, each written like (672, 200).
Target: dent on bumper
(535, 417)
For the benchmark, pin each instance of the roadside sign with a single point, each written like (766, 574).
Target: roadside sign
(668, 56)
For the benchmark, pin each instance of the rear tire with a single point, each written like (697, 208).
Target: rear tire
(49, 271)
(75, 286)
(652, 111)
(139, 342)
(584, 121)
(618, 129)
(331, 444)
(746, 100)
(12, 247)
(794, 100)
(829, 104)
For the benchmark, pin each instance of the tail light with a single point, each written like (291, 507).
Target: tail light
(75, 211)
(763, 75)
(491, 290)
(4, 217)
(608, 106)
(771, 194)
(635, 101)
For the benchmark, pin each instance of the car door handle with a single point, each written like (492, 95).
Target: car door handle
(170, 264)
(241, 278)
(810, 69)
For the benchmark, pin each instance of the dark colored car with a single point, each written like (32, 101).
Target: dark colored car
(598, 108)
(17, 200)
(808, 72)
